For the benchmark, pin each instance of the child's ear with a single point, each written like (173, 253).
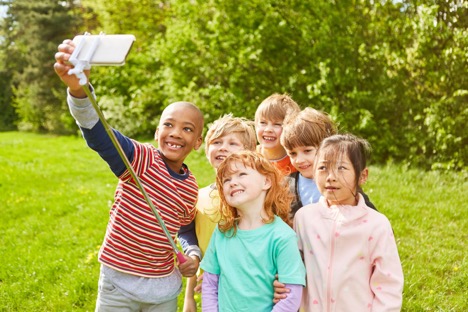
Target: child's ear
(267, 184)
(364, 176)
(156, 134)
(198, 143)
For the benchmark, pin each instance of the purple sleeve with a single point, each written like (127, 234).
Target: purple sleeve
(210, 292)
(292, 302)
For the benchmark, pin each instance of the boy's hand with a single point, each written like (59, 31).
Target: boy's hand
(62, 66)
(190, 266)
(280, 291)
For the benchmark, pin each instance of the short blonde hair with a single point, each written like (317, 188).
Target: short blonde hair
(278, 197)
(228, 124)
(308, 127)
(276, 107)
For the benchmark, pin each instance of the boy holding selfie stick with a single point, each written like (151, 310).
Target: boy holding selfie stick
(137, 260)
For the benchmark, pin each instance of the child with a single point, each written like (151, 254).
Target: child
(349, 250)
(251, 243)
(137, 261)
(226, 135)
(269, 119)
(302, 134)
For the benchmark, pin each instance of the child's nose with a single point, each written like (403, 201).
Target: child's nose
(331, 176)
(269, 127)
(175, 132)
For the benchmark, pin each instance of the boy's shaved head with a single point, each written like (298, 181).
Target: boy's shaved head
(199, 119)
(179, 132)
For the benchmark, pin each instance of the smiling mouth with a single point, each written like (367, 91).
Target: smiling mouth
(236, 192)
(220, 157)
(173, 145)
(269, 138)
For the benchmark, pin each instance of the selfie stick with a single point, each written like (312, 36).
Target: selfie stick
(82, 64)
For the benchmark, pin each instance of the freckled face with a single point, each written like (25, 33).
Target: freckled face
(244, 187)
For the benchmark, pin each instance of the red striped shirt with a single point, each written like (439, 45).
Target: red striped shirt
(134, 242)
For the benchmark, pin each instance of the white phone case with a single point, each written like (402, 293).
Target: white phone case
(110, 49)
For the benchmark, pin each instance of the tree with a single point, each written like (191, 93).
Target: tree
(390, 71)
(7, 68)
(34, 30)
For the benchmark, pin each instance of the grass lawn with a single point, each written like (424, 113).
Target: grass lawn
(55, 194)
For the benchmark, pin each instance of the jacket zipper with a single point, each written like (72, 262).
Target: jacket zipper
(330, 266)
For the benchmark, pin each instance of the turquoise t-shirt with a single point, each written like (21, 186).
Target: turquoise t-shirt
(247, 263)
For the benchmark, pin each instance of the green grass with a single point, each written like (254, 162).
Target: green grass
(55, 195)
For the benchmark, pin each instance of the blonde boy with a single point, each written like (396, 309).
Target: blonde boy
(269, 119)
(225, 136)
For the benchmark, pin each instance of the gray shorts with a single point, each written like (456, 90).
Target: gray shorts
(120, 291)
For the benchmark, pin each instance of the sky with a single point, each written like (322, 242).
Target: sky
(3, 9)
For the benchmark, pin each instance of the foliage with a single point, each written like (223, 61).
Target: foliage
(390, 71)
(55, 209)
(7, 68)
(8, 116)
(130, 95)
(32, 31)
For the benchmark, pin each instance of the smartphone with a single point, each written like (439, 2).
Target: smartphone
(109, 49)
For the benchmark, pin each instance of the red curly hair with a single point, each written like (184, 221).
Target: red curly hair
(278, 197)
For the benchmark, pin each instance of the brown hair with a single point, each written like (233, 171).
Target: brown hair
(306, 128)
(228, 124)
(278, 198)
(276, 107)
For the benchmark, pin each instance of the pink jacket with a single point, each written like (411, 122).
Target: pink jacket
(351, 259)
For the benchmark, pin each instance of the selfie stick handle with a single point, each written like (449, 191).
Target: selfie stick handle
(81, 65)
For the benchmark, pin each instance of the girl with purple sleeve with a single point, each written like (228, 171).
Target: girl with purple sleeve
(253, 242)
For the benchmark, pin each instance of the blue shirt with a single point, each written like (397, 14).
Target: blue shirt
(308, 191)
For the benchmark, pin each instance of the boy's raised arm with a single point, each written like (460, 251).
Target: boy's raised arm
(85, 115)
